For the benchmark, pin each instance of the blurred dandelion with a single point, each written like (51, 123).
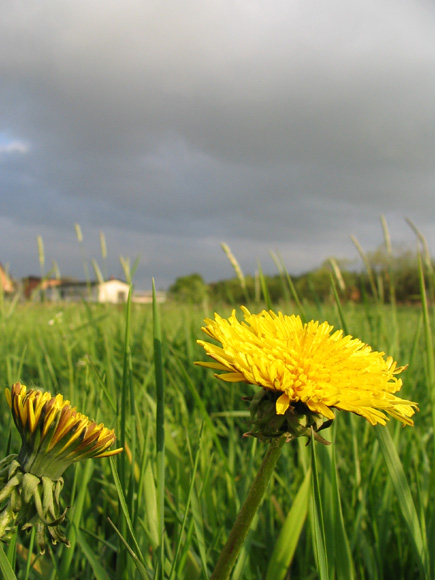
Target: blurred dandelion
(58, 319)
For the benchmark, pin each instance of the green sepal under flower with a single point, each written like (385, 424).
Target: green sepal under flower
(32, 501)
(4, 467)
(297, 421)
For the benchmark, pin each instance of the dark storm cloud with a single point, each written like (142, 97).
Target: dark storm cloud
(176, 126)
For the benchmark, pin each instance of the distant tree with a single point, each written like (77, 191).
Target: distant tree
(190, 289)
(398, 270)
(406, 276)
(231, 292)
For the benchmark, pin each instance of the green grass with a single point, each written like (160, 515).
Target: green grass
(165, 508)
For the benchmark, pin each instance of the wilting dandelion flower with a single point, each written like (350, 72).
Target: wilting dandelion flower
(54, 435)
(306, 371)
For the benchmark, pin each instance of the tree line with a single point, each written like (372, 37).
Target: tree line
(390, 277)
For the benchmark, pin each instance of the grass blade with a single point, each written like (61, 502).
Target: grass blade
(139, 565)
(190, 496)
(337, 544)
(293, 291)
(287, 542)
(407, 506)
(160, 420)
(264, 289)
(83, 475)
(237, 269)
(124, 509)
(5, 567)
(317, 513)
(97, 568)
(430, 362)
(367, 264)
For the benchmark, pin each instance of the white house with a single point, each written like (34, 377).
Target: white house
(113, 292)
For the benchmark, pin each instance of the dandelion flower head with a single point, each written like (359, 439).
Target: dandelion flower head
(53, 433)
(53, 436)
(309, 363)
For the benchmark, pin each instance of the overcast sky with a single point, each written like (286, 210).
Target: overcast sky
(173, 126)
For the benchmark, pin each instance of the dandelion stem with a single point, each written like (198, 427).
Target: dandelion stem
(237, 536)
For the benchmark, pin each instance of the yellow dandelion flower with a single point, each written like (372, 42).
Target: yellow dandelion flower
(53, 435)
(306, 363)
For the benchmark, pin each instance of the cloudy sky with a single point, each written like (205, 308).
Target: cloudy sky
(173, 126)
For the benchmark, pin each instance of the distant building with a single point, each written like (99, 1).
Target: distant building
(33, 285)
(54, 290)
(113, 292)
(146, 297)
(5, 281)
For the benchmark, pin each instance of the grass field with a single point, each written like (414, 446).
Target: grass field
(378, 511)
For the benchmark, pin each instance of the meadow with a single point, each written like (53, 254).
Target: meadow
(164, 507)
